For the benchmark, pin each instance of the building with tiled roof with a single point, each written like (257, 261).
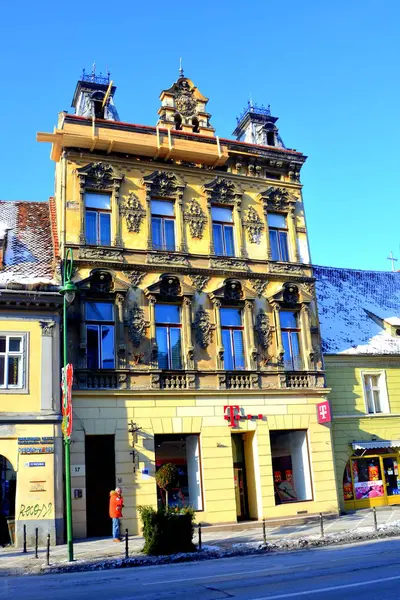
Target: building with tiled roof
(359, 314)
(30, 419)
(26, 242)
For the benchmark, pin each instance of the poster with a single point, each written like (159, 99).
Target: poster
(368, 489)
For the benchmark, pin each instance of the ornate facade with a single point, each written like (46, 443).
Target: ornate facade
(195, 295)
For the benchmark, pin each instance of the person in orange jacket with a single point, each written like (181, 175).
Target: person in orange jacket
(116, 505)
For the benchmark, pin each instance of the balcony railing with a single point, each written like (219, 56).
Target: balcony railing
(302, 379)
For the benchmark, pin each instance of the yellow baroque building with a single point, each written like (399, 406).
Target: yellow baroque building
(31, 491)
(194, 334)
(360, 328)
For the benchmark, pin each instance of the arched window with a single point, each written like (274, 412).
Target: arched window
(178, 122)
(196, 125)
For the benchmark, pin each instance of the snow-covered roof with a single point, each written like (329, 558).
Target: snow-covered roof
(345, 296)
(28, 252)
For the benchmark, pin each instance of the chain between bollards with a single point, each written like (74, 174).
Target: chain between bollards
(199, 536)
(321, 520)
(48, 550)
(36, 542)
(24, 539)
(264, 533)
(375, 519)
(126, 544)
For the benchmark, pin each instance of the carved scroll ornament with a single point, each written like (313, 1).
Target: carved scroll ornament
(253, 225)
(133, 212)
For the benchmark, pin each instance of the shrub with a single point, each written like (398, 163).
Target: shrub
(166, 476)
(167, 530)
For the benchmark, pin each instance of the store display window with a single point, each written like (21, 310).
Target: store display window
(290, 466)
(371, 477)
(183, 451)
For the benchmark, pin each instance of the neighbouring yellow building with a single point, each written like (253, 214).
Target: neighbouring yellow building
(359, 312)
(194, 334)
(31, 491)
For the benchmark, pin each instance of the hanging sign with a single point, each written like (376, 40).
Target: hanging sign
(67, 375)
(324, 412)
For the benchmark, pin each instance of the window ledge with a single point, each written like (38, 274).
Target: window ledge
(366, 416)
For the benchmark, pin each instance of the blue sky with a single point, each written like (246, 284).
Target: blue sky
(328, 69)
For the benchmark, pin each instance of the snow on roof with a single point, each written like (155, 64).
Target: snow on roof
(344, 296)
(28, 253)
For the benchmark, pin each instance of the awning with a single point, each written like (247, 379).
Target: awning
(376, 444)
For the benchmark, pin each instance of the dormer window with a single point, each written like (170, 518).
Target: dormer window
(98, 219)
(196, 125)
(270, 138)
(98, 99)
(178, 122)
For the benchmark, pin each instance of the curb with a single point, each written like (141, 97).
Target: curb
(294, 545)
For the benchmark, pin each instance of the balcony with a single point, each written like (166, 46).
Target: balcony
(102, 379)
(238, 381)
(303, 379)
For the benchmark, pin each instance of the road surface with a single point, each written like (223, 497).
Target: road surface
(369, 570)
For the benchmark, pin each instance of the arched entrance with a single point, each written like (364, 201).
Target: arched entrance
(8, 486)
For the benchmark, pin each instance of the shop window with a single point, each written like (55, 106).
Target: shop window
(98, 219)
(100, 335)
(168, 336)
(183, 451)
(163, 225)
(375, 394)
(232, 338)
(367, 479)
(12, 350)
(278, 237)
(222, 222)
(290, 329)
(290, 466)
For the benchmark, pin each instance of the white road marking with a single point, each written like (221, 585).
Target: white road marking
(329, 589)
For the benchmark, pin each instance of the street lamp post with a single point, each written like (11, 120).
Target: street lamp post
(68, 291)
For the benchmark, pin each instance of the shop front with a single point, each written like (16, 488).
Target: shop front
(371, 476)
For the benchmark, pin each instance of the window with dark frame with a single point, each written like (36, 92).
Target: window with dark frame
(290, 329)
(163, 225)
(222, 222)
(98, 219)
(278, 237)
(232, 338)
(11, 361)
(168, 336)
(100, 335)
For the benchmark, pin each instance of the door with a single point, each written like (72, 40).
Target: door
(100, 480)
(239, 475)
(392, 479)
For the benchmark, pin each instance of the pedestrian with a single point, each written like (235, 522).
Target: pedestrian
(116, 505)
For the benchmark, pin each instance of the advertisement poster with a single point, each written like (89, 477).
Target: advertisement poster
(368, 489)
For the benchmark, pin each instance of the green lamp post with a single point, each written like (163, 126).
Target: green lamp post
(68, 291)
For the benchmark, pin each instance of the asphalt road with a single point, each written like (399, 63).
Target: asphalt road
(359, 571)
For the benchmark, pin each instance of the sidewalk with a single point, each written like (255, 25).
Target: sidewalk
(14, 561)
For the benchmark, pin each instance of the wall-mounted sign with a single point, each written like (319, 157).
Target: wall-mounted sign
(31, 441)
(35, 464)
(78, 493)
(78, 470)
(36, 450)
(233, 414)
(324, 414)
(37, 486)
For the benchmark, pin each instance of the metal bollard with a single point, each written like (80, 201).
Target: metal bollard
(126, 544)
(264, 533)
(24, 539)
(375, 519)
(199, 545)
(321, 519)
(36, 542)
(48, 550)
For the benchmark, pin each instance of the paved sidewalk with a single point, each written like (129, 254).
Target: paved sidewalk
(15, 561)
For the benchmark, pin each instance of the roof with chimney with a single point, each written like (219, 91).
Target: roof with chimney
(26, 243)
(359, 311)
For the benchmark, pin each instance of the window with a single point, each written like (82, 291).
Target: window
(291, 342)
(11, 361)
(232, 338)
(168, 335)
(290, 466)
(100, 335)
(222, 221)
(98, 219)
(375, 394)
(278, 237)
(163, 225)
(183, 451)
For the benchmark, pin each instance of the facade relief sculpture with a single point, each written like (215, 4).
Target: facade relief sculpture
(203, 328)
(199, 282)
(133, 212)
(259, 285)
(263, 329)
(137, 325)
(253, 225)
(134, 277)
(195, 217)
